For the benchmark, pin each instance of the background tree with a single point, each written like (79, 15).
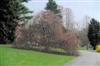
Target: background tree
(51, 5)
(83, 37)
(93, 30)
(10, 11)
(23, 11)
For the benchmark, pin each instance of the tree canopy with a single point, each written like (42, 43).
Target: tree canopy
(93, 32)
(51, 5)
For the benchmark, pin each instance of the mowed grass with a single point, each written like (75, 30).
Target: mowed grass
(17, 57)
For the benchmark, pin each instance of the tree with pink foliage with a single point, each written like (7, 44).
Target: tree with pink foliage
(46, 30)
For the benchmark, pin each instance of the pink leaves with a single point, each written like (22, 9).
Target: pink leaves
(46, 30)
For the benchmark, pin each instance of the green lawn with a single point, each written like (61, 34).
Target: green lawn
(17, 57)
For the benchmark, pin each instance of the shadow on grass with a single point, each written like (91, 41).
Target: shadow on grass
(44, 51)
(49, 51)
(56, 51)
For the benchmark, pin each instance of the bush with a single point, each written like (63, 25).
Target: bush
(98, 48)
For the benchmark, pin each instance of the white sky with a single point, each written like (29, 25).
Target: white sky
(80, 8)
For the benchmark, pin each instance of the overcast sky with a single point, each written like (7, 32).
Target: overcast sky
(80, 8)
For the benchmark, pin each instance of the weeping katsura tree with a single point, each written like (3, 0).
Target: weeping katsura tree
(45, 30)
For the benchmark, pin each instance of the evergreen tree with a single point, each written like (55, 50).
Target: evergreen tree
(51, 5)
(23, 11)
(93, 31)
(9, 15)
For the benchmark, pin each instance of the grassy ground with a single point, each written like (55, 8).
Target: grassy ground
(17, 57)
